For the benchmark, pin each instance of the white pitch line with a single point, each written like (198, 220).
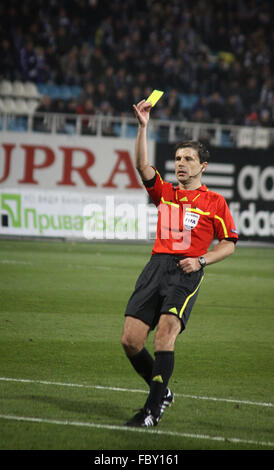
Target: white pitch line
(111, 427)
(132, 390)
(9, 261)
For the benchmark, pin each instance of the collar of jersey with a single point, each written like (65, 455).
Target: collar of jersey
(201, 188)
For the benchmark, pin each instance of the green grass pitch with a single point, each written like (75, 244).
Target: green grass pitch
(66, 384)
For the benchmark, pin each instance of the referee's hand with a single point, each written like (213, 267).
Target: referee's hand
(189, 265)
(142, 110)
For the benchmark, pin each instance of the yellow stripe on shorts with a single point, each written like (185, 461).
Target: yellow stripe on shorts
(188, 298)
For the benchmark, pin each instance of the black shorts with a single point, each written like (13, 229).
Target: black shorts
(163, 287)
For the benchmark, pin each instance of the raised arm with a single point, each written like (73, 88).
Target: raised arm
(142, 165)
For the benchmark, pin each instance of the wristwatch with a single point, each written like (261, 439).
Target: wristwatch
(202, 261)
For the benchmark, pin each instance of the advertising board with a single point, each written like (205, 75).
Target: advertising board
(69, 186)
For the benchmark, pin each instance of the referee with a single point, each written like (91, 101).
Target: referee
(189, 218)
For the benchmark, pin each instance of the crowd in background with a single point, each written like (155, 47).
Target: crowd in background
(219, 51)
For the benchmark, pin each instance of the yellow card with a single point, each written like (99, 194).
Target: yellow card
(155, 96)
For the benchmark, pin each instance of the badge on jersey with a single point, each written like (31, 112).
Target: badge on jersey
(190, 220)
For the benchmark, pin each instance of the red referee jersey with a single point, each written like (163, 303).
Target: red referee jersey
(188, 220)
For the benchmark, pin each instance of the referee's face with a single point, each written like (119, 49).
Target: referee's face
(187, 165)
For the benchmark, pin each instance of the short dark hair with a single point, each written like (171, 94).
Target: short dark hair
(200, 148)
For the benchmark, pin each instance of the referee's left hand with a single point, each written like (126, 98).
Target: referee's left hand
(189, 265)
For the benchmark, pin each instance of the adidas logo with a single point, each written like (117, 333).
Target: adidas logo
(157, 378)
(173, 310)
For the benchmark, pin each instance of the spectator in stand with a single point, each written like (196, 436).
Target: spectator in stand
(235, 88)
(174, 105)
(100, 93)
(200, 108)
(72, 106)
(136, 94)
(235, 72)
(109, 80)
(250, 94)
(28, 61)
(252, 119)
(87, 96)
(87, 109)
(233, 111)
(98, 63)
(204, 76)
(60, 107)
(120, 102)
(8, 60)
(41, 123)
(53, 64)
(119, 79)
(84, 60)
(46, 105)
(265, 118)
(63, 41)
(42, 70)
(106, 109)
(199, 115)
(267, 92)
(70, 66)
(216, 108)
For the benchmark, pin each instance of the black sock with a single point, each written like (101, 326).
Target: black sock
(162, 371)
(143, 364)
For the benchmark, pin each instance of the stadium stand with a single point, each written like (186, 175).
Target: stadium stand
(214, 58)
